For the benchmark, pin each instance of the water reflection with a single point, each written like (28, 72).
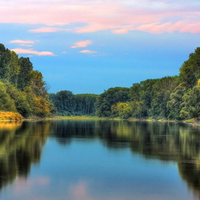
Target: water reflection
(21, 146)
(176, 142)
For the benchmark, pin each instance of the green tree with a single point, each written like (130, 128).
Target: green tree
(5, 57)
(109, 98)
(37, 84)
(13, 68)
(25, 75)
(176, 102)
(161, 95)
(191, 103)
(135, 92)
(190, 70)
(20, 100)
(64, 103)
(6, 102)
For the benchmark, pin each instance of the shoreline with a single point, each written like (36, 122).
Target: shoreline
(13, 117)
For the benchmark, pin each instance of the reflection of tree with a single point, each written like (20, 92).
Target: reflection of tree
(176, 142)
(191, 174)
(20, 146)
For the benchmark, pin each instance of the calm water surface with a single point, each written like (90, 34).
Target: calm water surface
(99, 160)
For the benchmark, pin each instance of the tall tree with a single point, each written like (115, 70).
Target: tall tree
(191, 103)
(190, 70)
(37, 84)
(4, 60)
(13, 68)
(175, 103)
(25, 75)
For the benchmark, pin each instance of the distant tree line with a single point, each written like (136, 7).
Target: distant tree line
(170, 97)
(66, 103)
(22, 89)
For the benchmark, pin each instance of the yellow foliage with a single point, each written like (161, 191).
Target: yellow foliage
(11, 116)
(41, 107)
(10, 125)
(198, 82)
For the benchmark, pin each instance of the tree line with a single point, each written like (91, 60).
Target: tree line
(66, 103)
(170, 97)
(22, 89)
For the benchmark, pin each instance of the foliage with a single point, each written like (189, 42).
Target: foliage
(22, 89)
(6, 103)
(10, 116)
(175, 103)
(190, 70)
(191, 103)
(20, 100)
(109, 98)
(66, 103)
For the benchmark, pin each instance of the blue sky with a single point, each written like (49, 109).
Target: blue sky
(89, 46)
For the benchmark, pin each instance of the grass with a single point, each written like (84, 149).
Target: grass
(83, 117)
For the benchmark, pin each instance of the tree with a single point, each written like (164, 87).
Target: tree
(6, 103)
(161, 92)
(20, 100)
(4, 60)
(191, 103)
(25, 75)
(41, 107)
(13, 68)
(176, 102)
(190, 70)
(64, 102)
(37, 84)
(109, 98)
(135, 92)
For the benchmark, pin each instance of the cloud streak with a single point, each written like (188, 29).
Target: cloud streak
(82, 44)
(144, 15)
(45, 30)
(32, 52)
(87, 51)
(22, 41)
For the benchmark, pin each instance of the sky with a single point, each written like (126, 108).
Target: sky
(89, 46)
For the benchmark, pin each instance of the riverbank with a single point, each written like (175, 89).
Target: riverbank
(12, 116)
(84, 117)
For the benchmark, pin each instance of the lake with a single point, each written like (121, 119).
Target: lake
(99, 160)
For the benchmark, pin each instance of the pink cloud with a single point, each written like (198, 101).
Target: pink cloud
(154, 27)
(82, 190)
(26, 51)
(22, 41)
(82, 44)
(45, 30)
(87, 51)
(123, 29)
(143, 15)
(120, 31)
(191, 27)
(24, 186)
